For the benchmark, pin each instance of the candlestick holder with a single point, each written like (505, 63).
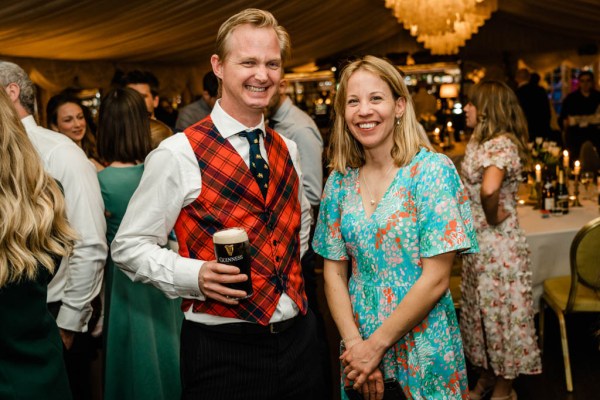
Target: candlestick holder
(576, 202)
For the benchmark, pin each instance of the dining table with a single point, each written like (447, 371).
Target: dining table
(550, 237)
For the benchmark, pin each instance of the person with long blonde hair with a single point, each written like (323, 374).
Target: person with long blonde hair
(398, 211)
(34, 236)
(497, 318)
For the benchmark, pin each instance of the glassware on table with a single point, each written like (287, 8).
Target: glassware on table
(587, 177)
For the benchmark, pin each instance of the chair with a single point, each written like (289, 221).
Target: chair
(579, 292)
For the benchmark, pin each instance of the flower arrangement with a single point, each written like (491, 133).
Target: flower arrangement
(545, 153)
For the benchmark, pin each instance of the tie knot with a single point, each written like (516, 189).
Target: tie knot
(252, 135)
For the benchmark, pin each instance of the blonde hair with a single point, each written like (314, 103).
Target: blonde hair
(344, 150)
(259, 19)
(159, 131)
(499, 114)
(33, 227)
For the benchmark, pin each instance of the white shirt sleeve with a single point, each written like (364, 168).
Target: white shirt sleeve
(85, 212)
(171, 180)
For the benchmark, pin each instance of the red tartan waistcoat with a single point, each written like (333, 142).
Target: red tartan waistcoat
(230, 197)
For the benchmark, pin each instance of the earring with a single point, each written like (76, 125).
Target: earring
(397, 121)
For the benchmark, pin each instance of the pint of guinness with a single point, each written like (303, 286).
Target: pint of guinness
(233, 248)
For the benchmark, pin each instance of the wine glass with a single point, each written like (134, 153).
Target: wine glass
(587, 177)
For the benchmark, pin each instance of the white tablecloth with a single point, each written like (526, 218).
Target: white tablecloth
(550, 240)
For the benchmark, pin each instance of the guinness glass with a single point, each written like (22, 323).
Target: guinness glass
(233, 248)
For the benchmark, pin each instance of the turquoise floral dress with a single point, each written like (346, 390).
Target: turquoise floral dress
(424, 212)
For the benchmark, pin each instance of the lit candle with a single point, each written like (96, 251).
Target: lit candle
(538, 173)
(577, 168)
(566, 158)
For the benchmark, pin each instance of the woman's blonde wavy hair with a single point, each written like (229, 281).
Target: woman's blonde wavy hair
(499, 114)
(344, 150)
(33, 226)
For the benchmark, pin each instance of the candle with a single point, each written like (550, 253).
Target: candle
(577, 168)
(566, 159)
(538, 173)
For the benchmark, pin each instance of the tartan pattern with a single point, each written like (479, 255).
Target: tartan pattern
(231, 197)
(258, 166)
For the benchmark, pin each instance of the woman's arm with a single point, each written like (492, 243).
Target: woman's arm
(364, 357)
(490, 195)
(335, 274)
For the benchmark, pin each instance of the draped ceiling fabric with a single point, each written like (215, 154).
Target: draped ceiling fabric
(82, 42)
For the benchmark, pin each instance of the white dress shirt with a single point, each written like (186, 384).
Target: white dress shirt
(170, 182)
(79, 278)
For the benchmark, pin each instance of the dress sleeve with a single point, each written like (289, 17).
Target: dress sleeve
(501, 152)
(443, 212)
(328, 240)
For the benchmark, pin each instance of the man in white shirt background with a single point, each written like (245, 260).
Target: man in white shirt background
(79, 277)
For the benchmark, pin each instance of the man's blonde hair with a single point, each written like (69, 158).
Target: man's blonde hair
(259, 19)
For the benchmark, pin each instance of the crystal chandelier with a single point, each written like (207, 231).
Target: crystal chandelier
(442, 25)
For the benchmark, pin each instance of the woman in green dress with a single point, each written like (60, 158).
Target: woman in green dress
(141, 325)
(34, 236)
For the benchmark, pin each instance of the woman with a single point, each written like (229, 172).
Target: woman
(497, 307)
(141, 324)
(34, 236)
(67, 115)
(399, 212)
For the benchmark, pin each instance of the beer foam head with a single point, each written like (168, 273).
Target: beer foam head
(230, 236)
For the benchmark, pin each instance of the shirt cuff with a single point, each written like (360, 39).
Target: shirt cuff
(185, 278)
(73, 320)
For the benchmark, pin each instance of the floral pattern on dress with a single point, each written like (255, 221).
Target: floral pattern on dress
(423, 213)
(497, 313)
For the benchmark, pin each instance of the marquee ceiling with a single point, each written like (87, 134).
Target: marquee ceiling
(183, 32)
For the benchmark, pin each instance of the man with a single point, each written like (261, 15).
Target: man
(425, 103)
(146, 84)
(79, 278)
(291, 122)
(200, 108)
(534, 102)
(214, 176)
(584, 101)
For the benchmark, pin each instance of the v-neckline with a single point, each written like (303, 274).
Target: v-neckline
(360, 198)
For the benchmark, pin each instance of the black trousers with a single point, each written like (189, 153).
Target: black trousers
(220, 365)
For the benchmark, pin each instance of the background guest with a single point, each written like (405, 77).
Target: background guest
(138, 317)
(291, 122)
(66, 115)
(79, 279)
(584, 101)
(34, 236)
(425, 103)
(200, 108)
(398, 210)
(146, 84)
(534, 103)
(497, 316)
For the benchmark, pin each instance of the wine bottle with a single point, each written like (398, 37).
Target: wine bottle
(562, 194)
(548, 195)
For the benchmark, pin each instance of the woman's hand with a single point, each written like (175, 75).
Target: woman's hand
(360, 363)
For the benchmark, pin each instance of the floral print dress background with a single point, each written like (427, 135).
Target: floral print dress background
(496, 283)
(423, 213)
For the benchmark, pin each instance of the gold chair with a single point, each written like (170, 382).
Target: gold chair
(579, 292)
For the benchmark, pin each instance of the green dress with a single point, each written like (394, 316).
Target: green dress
(31, 351)
(141, 325)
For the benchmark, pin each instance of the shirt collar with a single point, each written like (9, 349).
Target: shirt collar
(229, 126)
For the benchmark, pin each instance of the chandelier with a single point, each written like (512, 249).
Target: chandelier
(442, 25)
